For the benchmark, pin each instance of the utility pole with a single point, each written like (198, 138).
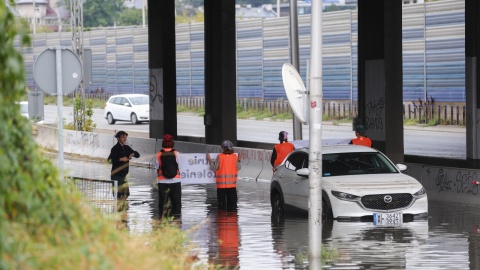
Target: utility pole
(315, 154)
(294, 55)
(34, 18)
(76, 23)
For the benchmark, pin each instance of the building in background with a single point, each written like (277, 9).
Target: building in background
(43, 14)
(247, 11)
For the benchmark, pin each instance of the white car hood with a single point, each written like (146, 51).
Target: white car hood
(372, 184)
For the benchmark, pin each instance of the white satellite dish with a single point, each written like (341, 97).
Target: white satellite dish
(296, 91)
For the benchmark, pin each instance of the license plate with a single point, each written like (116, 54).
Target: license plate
(388, 219)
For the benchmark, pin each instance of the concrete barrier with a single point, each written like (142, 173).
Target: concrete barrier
(455, 185)
(255, 162)
(446, 184)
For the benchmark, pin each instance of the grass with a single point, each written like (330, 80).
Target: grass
(68, 101)
(410, 122)
(328, 256)
(244, 114)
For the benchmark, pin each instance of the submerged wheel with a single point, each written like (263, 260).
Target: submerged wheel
(277, 204)
(326, 211)
(110, 119)
(134, 119)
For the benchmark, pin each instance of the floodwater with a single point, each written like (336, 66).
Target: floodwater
(449, 239)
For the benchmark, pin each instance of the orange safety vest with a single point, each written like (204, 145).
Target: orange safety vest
(362, 141)
(227, 172)
(159, 171)
(282, 149)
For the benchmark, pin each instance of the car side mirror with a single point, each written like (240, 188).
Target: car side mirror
(401, 167)
(126, 104)
(303, 172)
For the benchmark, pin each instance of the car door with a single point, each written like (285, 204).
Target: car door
(301, 184)
(124, 111)
(289, 176)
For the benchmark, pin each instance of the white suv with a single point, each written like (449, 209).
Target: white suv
(358, 182)
(128, 107)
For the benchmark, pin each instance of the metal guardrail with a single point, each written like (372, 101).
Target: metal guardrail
(101, 194)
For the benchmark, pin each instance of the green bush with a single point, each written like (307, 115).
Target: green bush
(432, 122)
(43, 221)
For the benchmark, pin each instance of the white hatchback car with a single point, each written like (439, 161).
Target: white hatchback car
(133, 108)
(358, 182)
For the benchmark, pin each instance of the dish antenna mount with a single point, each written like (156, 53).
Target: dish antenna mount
(296, 92)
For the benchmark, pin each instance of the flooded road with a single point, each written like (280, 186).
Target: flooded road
(249, 238)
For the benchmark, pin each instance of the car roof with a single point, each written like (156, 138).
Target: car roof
(342, 148)
(129, 95)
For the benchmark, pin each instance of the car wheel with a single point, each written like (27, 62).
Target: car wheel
(110, 119)
(134, 119)
(277, 205)
(326, 211)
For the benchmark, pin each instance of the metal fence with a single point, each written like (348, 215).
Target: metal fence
(445, 114)
(421, 113)
(101, 194)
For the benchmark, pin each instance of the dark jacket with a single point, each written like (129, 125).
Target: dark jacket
(118, 151)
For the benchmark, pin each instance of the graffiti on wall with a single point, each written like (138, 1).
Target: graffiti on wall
(85, 142)
(254, 155)
(374, 114)
(454, 180)
(156, 94)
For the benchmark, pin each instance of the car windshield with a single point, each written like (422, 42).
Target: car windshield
(356, 163)
(140, 100)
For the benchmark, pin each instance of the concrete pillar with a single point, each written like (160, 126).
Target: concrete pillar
(220, 72)
(472, 73)
(380, 80)
(162, 68)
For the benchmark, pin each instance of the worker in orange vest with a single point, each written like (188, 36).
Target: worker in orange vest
(361, 139)
(226, 167)
(281, 150)
(168, 179)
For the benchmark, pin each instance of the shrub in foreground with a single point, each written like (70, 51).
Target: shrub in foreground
(43, 224)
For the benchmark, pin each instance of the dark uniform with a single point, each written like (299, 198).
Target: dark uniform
(119, 151)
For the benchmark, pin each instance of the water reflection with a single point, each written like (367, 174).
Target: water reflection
(251, 239)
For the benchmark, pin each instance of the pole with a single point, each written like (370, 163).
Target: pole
(58, 59)
(315, 129)
(143, 13)
(34, 18)
(297, 125)
(278, 8)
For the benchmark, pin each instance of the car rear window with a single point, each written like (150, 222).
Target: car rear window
(356, 163)
(140, 100)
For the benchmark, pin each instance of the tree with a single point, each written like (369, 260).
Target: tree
(101, 13)
(131, 16)
(256, 3)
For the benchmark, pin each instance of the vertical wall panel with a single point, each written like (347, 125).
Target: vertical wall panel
(120, 55)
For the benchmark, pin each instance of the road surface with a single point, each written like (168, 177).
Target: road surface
(439, 141)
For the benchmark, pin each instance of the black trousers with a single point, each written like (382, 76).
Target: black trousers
(123, 189)
(227, 199)
(172, 192)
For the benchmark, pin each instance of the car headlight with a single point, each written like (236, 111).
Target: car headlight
(420, 194)
(345, 196)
